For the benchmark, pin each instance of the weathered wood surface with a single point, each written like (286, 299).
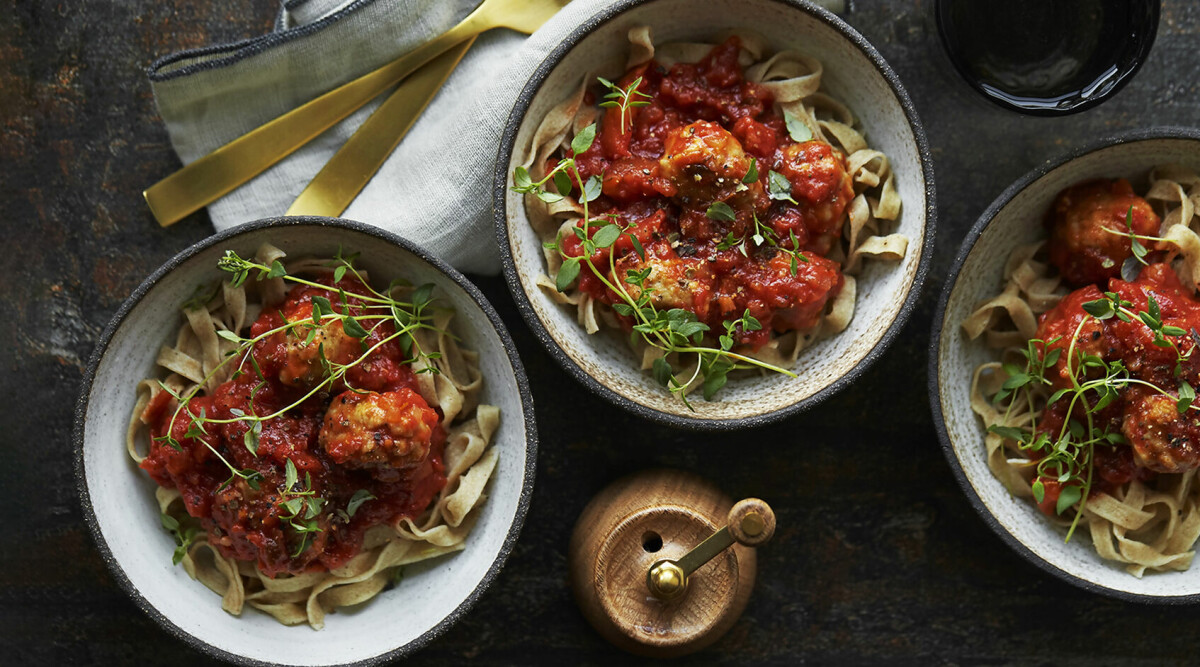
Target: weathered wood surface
(878, 558)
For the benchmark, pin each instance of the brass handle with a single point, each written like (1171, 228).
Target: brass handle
(351, 168)
(751, 523)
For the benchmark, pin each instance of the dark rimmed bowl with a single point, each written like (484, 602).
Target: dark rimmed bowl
(118, 498)
(1015, 218)
(856, 74)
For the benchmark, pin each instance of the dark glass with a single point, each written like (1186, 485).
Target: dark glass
(1047, 57)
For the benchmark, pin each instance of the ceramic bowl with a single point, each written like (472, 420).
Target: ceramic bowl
(1015, 218)
(118, 498)
(856, 74)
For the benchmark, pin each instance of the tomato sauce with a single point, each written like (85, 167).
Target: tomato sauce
(399, 464)
(1157, 437)
(692, 144)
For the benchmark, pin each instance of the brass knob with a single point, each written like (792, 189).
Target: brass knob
(751, 522)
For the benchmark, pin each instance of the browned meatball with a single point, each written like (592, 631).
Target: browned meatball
(705, 163)
(1163, 440)
(393, 429)
(817, 172)
(301, 363)
(674, 281)
(1088, 241)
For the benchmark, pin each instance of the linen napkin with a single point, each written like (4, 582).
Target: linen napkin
(435, 189)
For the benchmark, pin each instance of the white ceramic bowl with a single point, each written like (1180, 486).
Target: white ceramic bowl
(118, 498)
(857, 75)
(1015, 218)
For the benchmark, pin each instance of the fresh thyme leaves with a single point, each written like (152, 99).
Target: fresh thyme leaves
(1139, 250)
(779, 187)
(299, 507)
(1065, 456)
(765, 235)
(672, 331)
(584, 139)
(796, 128)
(360, 314)
(623, 99)
(720, 211)
(184, 531)
(360, 496)
(752, 173)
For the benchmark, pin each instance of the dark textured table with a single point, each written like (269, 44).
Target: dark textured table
(879, 557)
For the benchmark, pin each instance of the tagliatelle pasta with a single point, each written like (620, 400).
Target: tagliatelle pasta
(1143, 507)
(695, 120)
(406, 434)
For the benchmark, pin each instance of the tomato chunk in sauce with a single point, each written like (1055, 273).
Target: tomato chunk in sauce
(376, 435)
(705, 137)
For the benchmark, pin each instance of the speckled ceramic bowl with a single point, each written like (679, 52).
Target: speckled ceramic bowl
(856, 74)
(118, 499)
(1015, 218)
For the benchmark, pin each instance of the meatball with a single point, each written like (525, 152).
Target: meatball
(391, 429)
(674, 281)
(1061, 322)
(704, 162)
(799, 300)
(1088, 241)
(820, 184)
(301, 362)
(1162, 439)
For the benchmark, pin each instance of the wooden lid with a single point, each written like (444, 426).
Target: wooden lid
(636, 522)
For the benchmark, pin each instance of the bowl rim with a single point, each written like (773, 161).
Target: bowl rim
(934, 385)
(135, 298)
(1126, 70)
(524, 305)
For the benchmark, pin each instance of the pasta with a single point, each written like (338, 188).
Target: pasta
(321, 570)
(845, 215)
(1150, 521)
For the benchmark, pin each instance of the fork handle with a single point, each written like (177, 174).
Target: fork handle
(211, 177)
(351, 168)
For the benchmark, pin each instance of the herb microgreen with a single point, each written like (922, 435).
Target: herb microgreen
(623, 98)
(797, 129)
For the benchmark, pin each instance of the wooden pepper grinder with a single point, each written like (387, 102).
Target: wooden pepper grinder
(651, 564)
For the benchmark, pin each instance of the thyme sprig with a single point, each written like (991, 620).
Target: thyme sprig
(671, 330)
(300, 506)
(185, 530)
(1067, 457)
(624, 98)
(762, 235)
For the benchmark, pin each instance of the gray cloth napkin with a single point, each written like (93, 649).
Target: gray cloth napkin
(435, 189)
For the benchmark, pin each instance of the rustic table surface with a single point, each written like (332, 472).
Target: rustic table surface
(878, 559)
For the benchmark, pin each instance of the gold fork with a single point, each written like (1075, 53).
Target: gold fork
(353, 165)
(216, 174)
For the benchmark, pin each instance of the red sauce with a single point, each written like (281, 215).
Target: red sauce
(1158, 439)
(397, 459)
(692, 145)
